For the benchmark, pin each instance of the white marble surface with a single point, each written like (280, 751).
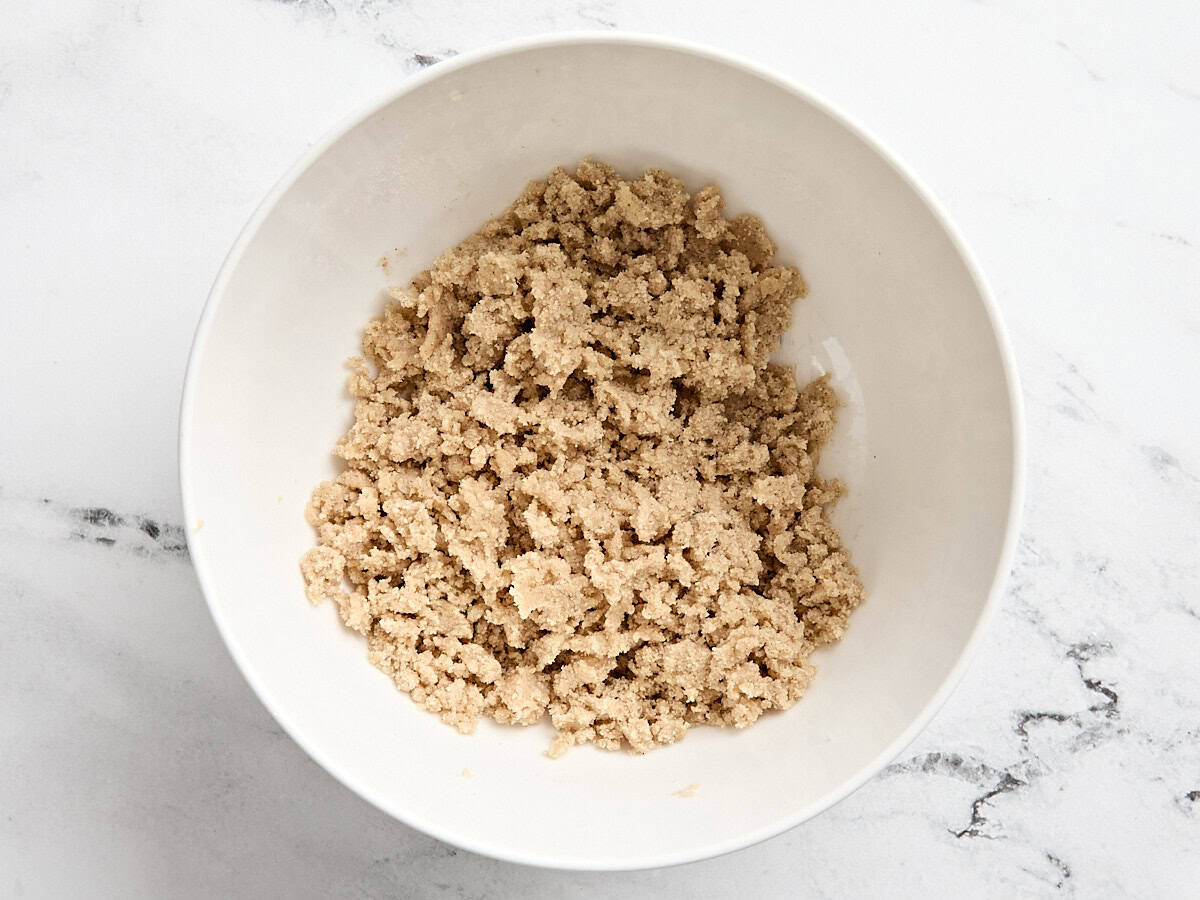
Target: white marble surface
(135, 138)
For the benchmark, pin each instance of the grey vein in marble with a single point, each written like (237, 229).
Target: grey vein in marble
(1091, 73)
(121, 532)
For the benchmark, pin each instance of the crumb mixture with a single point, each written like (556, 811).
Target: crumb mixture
(575, 487)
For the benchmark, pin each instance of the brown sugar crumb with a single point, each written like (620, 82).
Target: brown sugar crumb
(576, 487)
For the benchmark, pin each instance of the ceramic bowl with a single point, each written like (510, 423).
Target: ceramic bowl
(929, 439)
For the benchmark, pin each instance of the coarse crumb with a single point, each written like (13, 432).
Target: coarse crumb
(688, 792)
(576, 487)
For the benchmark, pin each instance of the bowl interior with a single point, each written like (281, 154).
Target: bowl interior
(926, 440)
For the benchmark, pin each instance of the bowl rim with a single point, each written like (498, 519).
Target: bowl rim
(674, 45)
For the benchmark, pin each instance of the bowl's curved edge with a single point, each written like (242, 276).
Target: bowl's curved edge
(1008, 362)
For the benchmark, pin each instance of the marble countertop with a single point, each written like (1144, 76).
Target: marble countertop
(135, 139)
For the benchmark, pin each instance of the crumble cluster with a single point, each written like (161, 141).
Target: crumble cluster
(575, 487)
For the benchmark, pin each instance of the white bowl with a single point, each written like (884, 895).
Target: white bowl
(929, 441)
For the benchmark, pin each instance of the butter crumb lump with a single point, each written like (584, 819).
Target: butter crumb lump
(576, 487)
